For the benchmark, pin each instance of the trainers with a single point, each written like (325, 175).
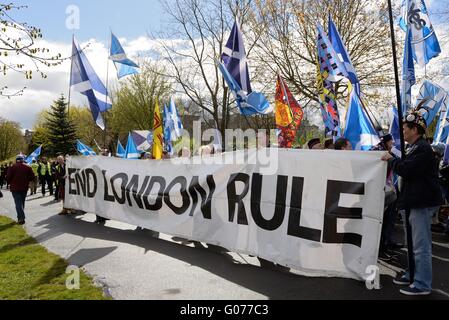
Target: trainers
(21, 222)
(401, 280)
(413, 291)
(384, 256)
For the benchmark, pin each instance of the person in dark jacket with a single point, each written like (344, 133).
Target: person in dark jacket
(19, 176)
(420, 195)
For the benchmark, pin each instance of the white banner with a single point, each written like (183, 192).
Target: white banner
(319, 212)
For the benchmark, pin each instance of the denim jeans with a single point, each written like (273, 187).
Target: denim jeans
(420, 222)
(19, 200)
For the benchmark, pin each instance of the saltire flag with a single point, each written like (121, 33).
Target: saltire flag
(121, 152)
(328, 105)
(254, 103)
(123, 65)
(83, 79)
(143, 139)
(234, 59)
(342, 53)
(431, 99)
(291, 116)
(218, 145)
(158, 134)
(168, 129)
(131, 151)
(36, 153)
(331, 66)
(359, 130)
(442, 130)
(425, 45)
(395, 129)
(84, 150)
(175, 121)
(408, 74)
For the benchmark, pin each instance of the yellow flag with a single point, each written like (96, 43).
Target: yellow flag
(158, 134)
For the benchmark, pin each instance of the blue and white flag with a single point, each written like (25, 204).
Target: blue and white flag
(234, 59)
(175, 121)
(442, 130)
(408, 75)
(342, 53)
(359, 130)
(84, 150)
(394, 128)
(254, 103)
(34, 155)
(425, 45)
(329, 61)
(430, 100)
(131, 151)
(168, 131)
(123, 64)
(83, 79)
(121, 152)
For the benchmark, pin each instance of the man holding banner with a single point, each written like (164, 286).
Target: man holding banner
(421, 196)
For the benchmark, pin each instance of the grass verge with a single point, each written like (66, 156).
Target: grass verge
(29, 272)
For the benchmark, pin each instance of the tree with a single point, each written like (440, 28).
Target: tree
(11, 139)
(286, 33)
(20, 39)
(206, 25)
(134, 102)
(61, 131)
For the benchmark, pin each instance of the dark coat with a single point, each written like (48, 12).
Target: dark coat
(419, 171)
(19, 177)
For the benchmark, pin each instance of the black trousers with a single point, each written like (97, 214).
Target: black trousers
(49, 181)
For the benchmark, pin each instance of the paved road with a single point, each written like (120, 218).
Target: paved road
(133, 264)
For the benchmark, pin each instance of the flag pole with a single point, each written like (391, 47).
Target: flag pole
(107, 91)
(411, 261)
(70, 80)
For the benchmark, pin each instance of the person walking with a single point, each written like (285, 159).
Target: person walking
(19, 176)
(33, 184)
(420, 196)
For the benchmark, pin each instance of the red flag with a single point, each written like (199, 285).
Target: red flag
(286, 102)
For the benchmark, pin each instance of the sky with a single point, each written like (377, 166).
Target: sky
(130, 20)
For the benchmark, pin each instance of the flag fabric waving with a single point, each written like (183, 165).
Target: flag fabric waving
(121, 152)
(175, 121)
(394, 128)
(408, 74)
(291, 116)
(328, 105)
(168, 129)
(34, 155)
(131, 152)
(332, 68)
(234, 58)
(425, 45)
(442, 131)
(123, 64)
(84, 150)
(83, 79)
(359, 130)
(254, 103)
(342, 53)
(158, 134)
(431, 98)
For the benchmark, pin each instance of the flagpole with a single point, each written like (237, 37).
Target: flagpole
(70, 80)
(411, 261)
(107, 91)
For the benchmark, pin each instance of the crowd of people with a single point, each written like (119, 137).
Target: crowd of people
(417, 185)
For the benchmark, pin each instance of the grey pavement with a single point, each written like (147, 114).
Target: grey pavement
(133, 264)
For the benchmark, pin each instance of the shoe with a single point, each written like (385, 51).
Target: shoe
(413, 291)
(21, 222)
(401, 280)
(63, 213)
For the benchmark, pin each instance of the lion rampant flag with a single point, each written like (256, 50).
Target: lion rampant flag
(158, 134)
(289, 114)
